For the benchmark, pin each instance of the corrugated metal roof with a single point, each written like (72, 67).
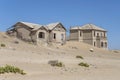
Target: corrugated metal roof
(32, 25)
(88, 27)
(92, 26)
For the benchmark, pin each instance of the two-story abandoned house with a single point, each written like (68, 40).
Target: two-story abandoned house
(54, 32)
(90, 34)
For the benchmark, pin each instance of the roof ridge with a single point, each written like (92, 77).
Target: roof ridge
(52, 25)
(91, 26)
(30, 23)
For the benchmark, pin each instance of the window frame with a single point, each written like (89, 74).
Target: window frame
(41, 35)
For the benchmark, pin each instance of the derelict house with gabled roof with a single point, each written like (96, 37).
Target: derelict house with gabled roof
(54, 32)
(90, 34)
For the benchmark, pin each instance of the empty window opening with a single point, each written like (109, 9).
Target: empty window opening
(105, 44)
(80, 33)
(54, 36)
(94, 33)
(41, 35)
(62, 36)
(101, 44)
(97, 34)
(94, 44)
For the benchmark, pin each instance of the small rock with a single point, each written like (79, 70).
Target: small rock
(91, 50)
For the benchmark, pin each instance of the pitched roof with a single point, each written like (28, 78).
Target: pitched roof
(92, 26)
(89, 27)
(38, 26)
(52, 25)
(32, 25)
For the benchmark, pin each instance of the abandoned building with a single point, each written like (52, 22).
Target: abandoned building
(54, 32)
(90, 34)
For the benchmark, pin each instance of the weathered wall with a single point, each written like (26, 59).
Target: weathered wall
(98, 43)
(98, 37)
(23, 33)
(87, 36)
(34, 36)
(60, 34)
(74, 35)
(99, 33)
(42, 39)
(80, 35)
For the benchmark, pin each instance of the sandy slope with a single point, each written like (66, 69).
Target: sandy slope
(104, 64)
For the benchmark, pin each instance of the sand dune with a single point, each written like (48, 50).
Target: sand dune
(33, 59)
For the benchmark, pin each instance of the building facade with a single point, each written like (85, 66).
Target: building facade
(54, 32)
(90, 34)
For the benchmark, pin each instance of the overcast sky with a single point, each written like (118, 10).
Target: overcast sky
(103, 13)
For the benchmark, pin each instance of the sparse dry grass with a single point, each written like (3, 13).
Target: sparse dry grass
(78, 56)
(83, 64)
(2, 45)
(56, 63)
(11, 69)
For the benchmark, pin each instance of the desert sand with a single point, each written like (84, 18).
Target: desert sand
(33, 59)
